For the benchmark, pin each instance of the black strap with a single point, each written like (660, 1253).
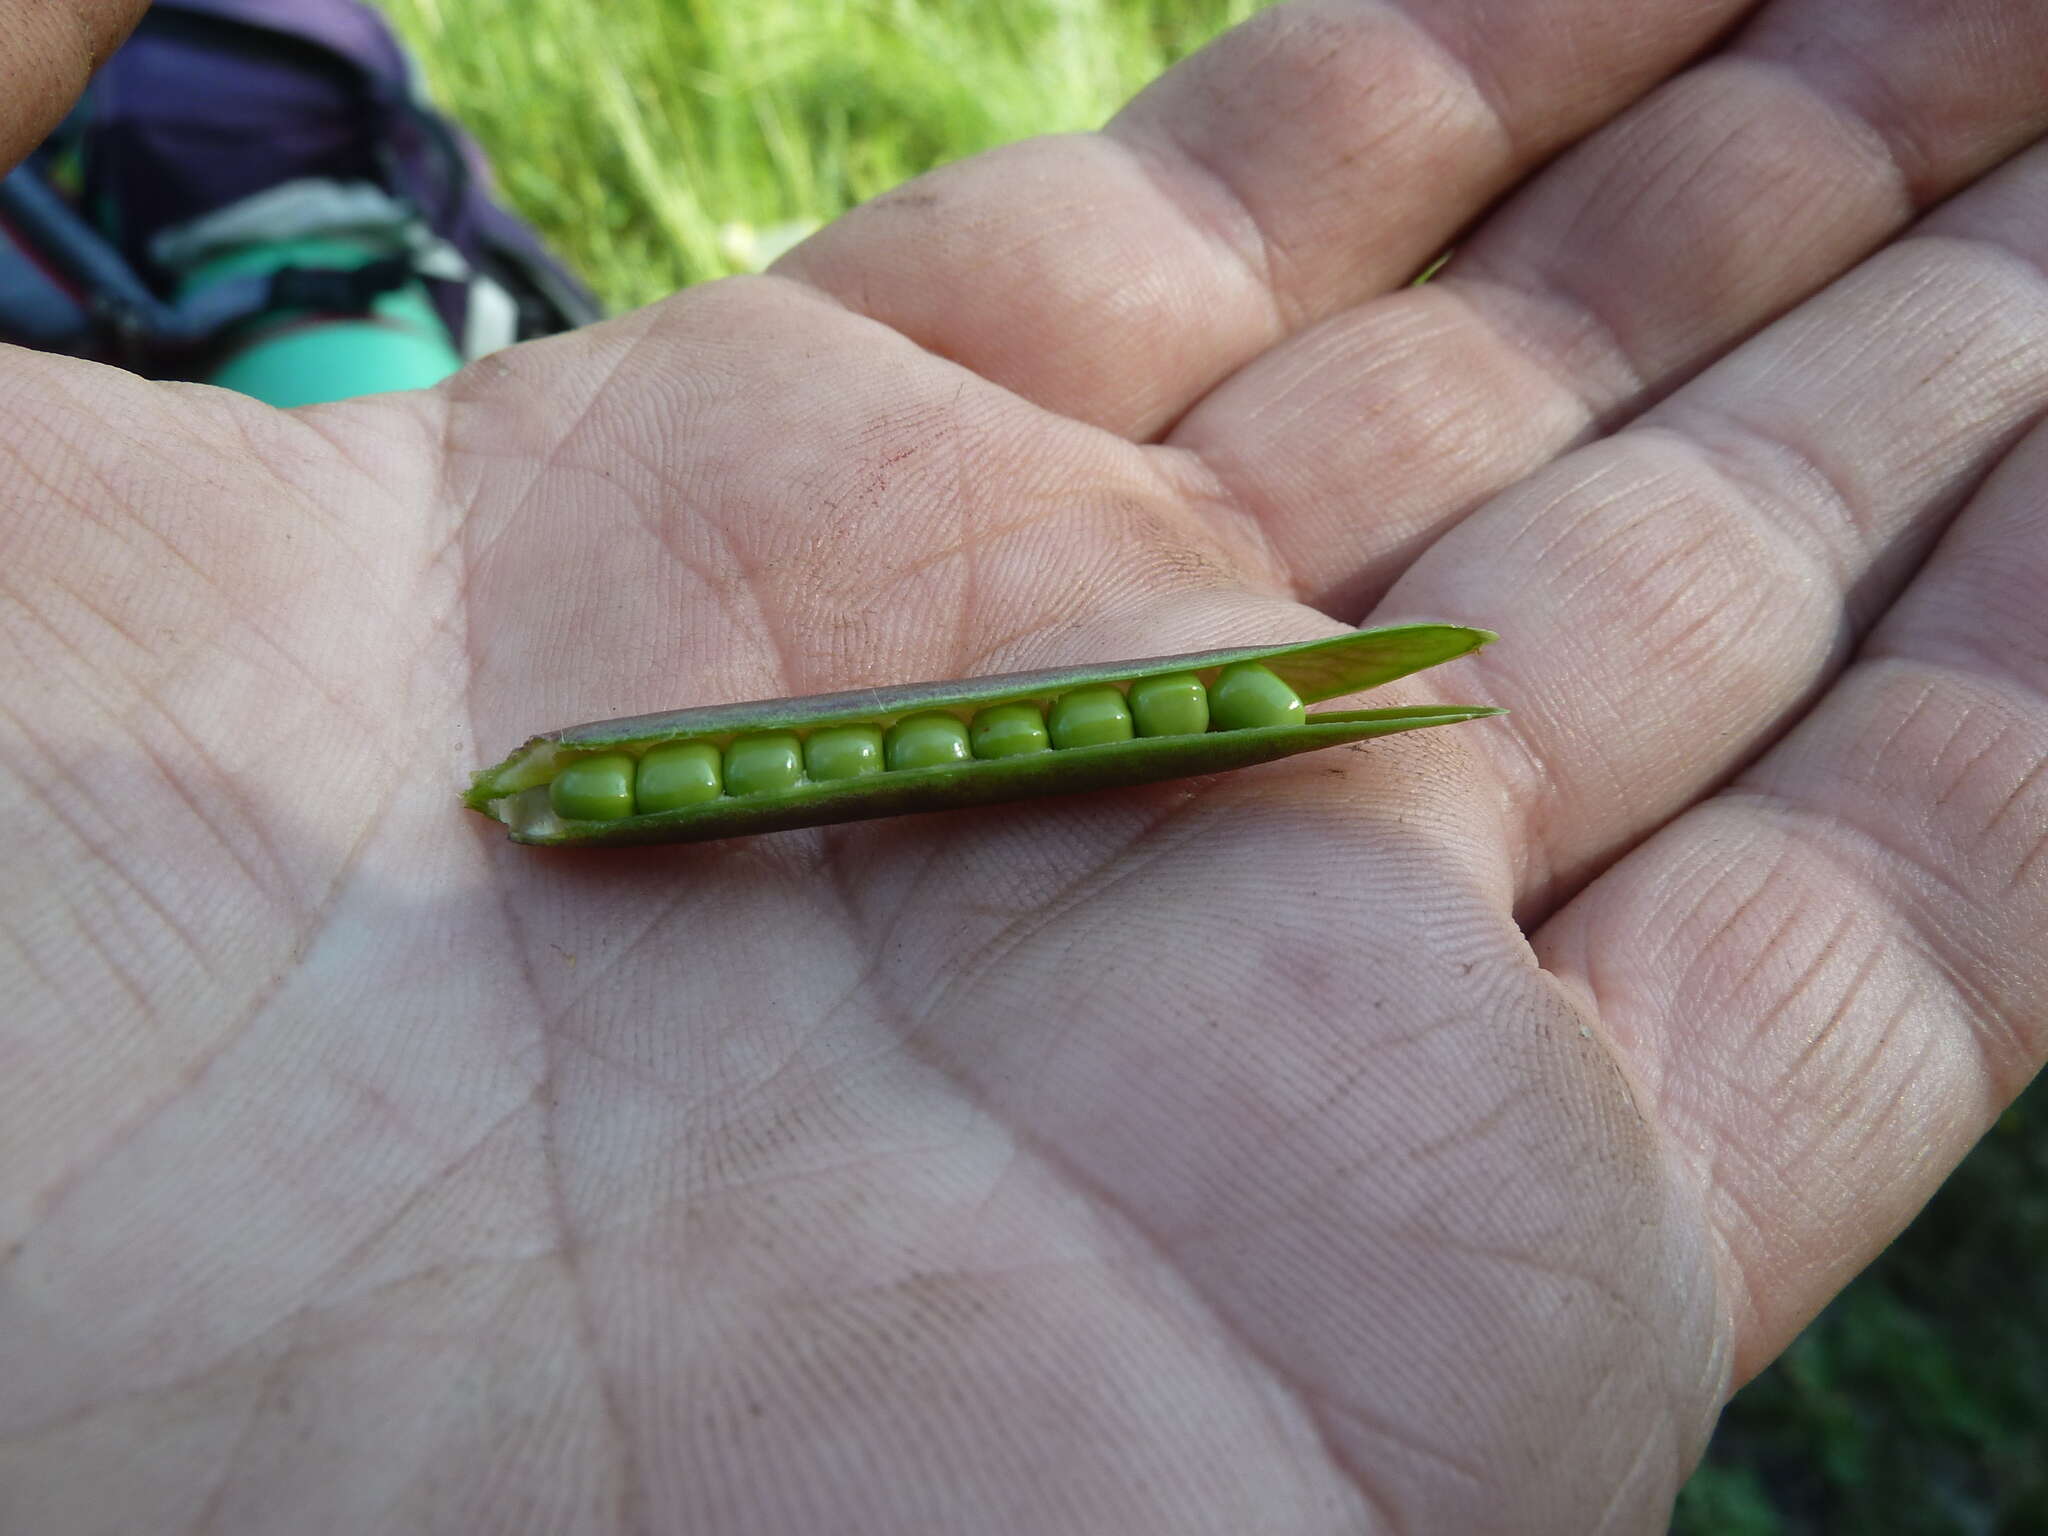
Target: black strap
(337, 290)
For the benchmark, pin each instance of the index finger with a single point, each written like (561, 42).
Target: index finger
(1317, 155)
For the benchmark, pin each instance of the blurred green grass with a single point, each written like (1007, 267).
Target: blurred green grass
(660, 142)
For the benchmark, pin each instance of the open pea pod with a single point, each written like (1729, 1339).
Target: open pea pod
(730, 770)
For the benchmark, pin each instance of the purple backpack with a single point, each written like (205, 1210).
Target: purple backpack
(259, 119)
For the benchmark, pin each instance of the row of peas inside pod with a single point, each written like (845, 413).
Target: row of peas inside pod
(606, 786)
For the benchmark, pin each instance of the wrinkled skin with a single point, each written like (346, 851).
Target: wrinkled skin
(1424, 1137)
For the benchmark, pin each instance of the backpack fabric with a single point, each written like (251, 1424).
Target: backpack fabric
(264, 119)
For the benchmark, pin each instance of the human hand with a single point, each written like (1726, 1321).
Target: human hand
(1425, 1137)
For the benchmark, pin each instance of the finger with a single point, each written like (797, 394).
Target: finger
(1674, 594)
(1318, 154)
(47, 52)
(1730, 194)
(1831, 977)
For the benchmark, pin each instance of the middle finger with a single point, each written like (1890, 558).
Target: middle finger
(1673, 595)
(1730, 194)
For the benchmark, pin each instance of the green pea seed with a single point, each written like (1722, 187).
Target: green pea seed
(1174, 705)
(1009, 730)
(598, 788)
(1247, 696)
(843, 752)
(1090, 717)
(763, 765)
(926, 741)
(677, 773)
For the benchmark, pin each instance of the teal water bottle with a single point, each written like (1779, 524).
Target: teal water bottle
(301, 357)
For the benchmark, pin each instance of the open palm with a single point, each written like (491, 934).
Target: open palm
(1424, 1136)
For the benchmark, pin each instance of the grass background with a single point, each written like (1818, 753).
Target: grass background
(659, 142)
(676, 140)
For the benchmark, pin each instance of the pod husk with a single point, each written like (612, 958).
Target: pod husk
(513, 791)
